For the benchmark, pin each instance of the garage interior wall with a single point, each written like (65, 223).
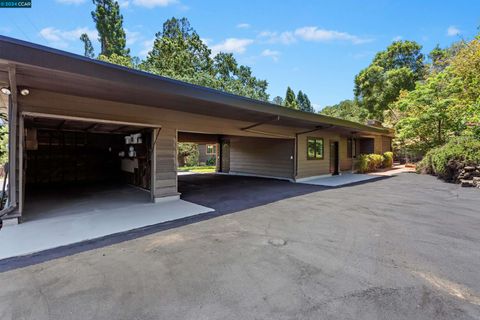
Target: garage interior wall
(267, 157)
(70, 152)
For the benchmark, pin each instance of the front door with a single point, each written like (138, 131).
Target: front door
(334, 160)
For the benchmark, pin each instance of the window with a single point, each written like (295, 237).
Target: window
(314, 148)
(352, 148)
(211, 149)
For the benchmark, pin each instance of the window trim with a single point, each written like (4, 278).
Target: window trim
(323, 148)
(214, 146)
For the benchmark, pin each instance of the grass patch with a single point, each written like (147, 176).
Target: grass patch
(197, 169)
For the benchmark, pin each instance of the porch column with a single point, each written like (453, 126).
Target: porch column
(165, 166)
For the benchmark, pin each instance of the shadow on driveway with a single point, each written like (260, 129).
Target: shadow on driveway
(229, 193)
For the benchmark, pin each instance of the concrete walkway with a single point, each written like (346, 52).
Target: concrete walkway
(60, 230)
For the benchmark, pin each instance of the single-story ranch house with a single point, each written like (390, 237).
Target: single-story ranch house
(77, 120)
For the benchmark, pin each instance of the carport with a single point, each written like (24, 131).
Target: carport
(74, 165)
(57, 95)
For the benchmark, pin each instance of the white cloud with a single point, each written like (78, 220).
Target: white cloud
(71, 1)
(453, 31)
(232, 45)
(243, 25)
(124, 3)
(286, 37)
(147, 47)
(154, 3)
(271, 53)
(397, 38)
(311, 33)
(323, 35)
(62, 38)
(132, 37)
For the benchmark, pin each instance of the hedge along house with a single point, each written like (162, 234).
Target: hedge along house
(77, 120)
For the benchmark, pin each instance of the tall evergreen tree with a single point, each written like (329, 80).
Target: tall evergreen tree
(87, 45)
(290, 99)
(304, 103)
(109, 23)
(178, 52)
(308, 104)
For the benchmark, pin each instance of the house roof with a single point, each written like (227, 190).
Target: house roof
(50, 69)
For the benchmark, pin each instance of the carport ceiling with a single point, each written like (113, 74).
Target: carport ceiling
(79, 126)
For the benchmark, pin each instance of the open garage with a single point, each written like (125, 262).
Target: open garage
(73, 165)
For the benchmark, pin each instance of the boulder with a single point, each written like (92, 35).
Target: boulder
(469, 168)
(466, 183)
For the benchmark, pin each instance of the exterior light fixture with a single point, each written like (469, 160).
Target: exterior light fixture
(6, 91)
(25, 92)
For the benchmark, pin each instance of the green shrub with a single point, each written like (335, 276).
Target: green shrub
(211, 162)
(447, 160)
(362, 164)
(376, 161)
(388, 159)
(369, 162)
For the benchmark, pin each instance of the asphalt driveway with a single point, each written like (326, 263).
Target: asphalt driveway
(407, 247)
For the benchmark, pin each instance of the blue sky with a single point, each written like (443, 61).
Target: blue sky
(315, 46)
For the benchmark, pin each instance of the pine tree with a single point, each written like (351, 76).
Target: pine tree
(178, 52)
(301, 101)
(308, 104)
(87, 44)
(290, 99)
(304, 103)
(109, 23)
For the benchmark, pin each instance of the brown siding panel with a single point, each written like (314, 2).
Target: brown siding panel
(166, 163)
(262, 156)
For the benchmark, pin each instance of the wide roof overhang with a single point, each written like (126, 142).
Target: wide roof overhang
(44, 68)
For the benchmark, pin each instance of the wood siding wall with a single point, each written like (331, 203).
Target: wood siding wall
(345, 161)
(260, 156)
(386, 144)
(251, 152)
(165, 166)
(308, 168)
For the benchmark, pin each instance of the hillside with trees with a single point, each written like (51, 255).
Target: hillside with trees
(432, 102)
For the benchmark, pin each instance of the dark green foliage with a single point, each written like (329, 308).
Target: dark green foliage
(87, 45)
(304, 103)
(447, 160)
(109, 23)
(346, 109)
(391, 71)
(290, 99)
(440, 58)
(211, 162)
(188, 154)
(179, 53)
